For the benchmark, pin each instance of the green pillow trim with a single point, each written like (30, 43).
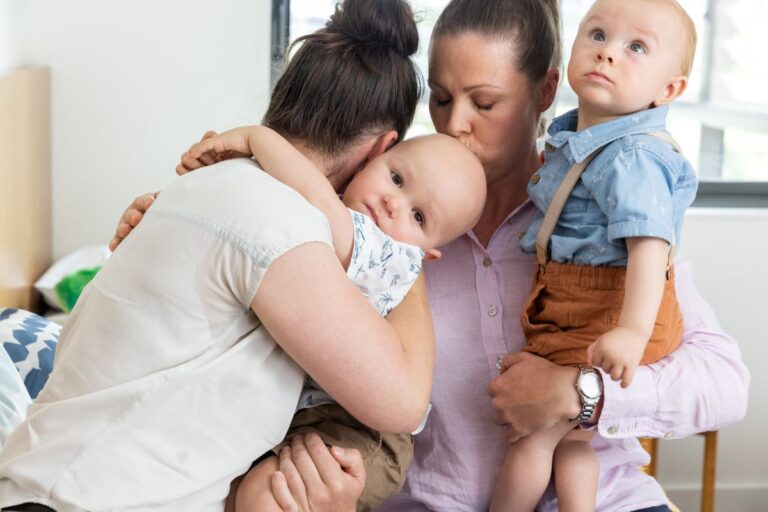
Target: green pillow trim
(68, 290)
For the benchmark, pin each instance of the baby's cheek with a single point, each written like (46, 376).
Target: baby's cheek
(405, 233)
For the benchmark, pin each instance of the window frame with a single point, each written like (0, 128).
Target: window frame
(711, 193)
(279, 37)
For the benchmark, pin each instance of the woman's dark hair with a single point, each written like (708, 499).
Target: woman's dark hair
(534, 26)
(351, 78)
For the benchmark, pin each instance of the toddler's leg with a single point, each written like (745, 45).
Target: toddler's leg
(255, 492)
(576, 472)
(527, 470)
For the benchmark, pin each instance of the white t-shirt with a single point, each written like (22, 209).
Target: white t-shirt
(165, 386)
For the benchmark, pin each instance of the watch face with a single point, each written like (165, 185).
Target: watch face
(590, 385)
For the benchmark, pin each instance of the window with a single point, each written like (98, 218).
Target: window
(721, 121)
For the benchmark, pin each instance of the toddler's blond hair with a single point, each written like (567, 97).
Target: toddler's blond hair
(689, 34)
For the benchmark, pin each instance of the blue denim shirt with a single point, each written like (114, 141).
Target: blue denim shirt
(637, 186)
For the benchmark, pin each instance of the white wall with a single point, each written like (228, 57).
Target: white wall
(134, 83)
(728, 249)
(9, 24)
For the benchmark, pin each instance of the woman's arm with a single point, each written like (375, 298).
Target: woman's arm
(278, 158)
(701, 386)
(379, 370)
(315, 477)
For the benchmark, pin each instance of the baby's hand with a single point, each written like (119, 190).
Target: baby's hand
(618, 352)
(214, 148)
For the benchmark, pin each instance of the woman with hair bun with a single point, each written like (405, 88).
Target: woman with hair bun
(167, 383)
(324, 96)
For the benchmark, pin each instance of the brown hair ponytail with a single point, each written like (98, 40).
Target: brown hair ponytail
(534, 25)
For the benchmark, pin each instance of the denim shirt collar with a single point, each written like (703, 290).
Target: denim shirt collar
(583, 143)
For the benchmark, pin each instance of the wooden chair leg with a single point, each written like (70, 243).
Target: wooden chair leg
(708, 477)
(650, 445)
(708, 472)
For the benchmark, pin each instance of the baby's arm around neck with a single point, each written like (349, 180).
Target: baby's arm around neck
(285, 163)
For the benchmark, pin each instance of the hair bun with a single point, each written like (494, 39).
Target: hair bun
(380, 26)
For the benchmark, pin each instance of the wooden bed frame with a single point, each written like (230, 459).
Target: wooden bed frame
(25, 185)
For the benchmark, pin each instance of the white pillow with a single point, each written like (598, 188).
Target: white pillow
(30, 341)
(88, 257)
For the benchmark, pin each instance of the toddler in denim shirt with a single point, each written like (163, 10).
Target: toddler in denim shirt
(612, 194)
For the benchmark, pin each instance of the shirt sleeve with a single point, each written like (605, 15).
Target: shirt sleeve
(634, 190)
(251, 218)
(701, 386)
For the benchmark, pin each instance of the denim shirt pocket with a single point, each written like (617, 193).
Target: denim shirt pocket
(579, 199)
(575, 205)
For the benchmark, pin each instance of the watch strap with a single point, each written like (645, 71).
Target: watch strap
(587, 409)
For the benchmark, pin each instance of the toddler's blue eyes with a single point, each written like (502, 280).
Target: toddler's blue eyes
(418, 216)
(636, 47)
(396, 179)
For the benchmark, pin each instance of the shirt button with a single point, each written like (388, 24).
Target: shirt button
(492, 311)
(498, 364)
(535, 179)
(487, 262)
(613, 429)
(669, 435)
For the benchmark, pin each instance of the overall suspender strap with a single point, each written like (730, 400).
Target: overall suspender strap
(564, 191)
(666, 137)
(556, 207)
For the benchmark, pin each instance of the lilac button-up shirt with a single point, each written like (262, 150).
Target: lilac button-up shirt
(476, 295)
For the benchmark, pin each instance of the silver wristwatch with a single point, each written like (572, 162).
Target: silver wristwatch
(589, 385)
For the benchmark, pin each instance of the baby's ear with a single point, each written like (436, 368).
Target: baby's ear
(432, 255)
(672, 90)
